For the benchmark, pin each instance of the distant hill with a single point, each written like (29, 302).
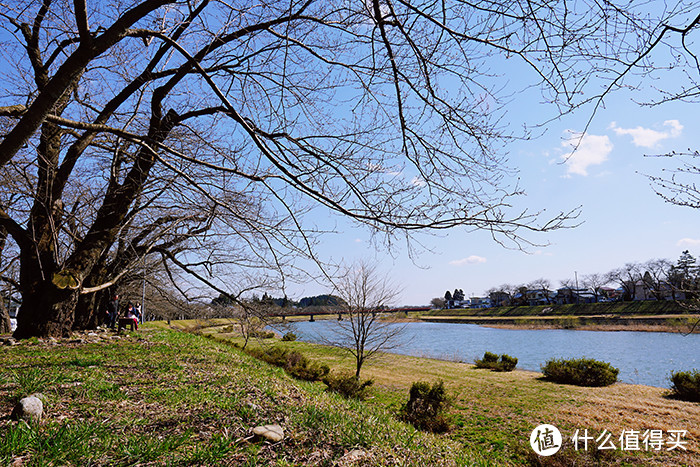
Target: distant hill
(321, 300)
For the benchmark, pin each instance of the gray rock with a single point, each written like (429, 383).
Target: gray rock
(29, 409)
(272, 433)
(353, 456)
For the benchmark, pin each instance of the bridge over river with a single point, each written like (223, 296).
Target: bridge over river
(312, 312)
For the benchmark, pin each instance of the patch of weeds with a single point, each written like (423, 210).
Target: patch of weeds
(75, 443)
(215, 450)
(85, 361)
(293, 362)
(110, 391)
(16, 440)
(348, 385)
(426, 406)
(138, 448)
(32, 380)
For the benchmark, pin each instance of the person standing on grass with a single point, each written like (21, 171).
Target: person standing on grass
(137, 312)
(113, 310)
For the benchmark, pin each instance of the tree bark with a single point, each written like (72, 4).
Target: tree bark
(46, 310)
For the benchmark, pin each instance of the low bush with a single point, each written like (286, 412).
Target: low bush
(685, 385)
(294, 363)
(580, 372)
(348, 385)
(426, 407)
(489, 360)
(262, 334)
(290, 336)
(506, 363)
(494, 362)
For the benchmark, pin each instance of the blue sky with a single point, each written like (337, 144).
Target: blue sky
(623, 220)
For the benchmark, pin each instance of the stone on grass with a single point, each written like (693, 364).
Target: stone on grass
(272, 433)
(29, 409)
(352, 457)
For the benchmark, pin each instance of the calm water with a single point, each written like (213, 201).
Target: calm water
(642, 357)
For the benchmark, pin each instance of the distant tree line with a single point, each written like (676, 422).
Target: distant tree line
(284, 302)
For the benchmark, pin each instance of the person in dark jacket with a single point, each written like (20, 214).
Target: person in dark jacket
(113, 311)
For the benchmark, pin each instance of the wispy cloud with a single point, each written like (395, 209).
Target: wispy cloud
(688, 242)
(648, 137)
(585, 150)
(473, 259)
(415, 181)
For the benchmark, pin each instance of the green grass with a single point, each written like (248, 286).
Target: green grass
(162, 397)
(494, 413)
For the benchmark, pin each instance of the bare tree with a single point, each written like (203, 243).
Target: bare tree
(628, 277)
(543, 285)
(595, 282)
(385, 112)
(364, 333)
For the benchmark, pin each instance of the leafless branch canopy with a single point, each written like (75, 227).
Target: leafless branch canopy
(208, 129)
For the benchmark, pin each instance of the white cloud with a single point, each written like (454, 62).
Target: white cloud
(688, 242)
(585, 150)
(473, 259)
(419, 182)
(647, 137)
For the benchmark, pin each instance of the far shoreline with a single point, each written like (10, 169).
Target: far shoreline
(669, 324)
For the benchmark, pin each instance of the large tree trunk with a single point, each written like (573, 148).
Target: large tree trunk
(5, 326)
(46, 311)
(90, 310)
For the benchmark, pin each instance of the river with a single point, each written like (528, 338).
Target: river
(643, 357)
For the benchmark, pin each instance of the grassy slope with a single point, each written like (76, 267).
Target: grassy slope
(495, 412)
(162, 397)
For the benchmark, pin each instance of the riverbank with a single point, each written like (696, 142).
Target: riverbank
(677, 323)
(646, 316)
(494, 413)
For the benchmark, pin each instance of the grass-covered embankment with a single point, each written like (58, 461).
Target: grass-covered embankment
(495, 413)
(646, 307)
(162, 397)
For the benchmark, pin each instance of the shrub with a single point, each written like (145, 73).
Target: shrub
(506, 363)
(581, 372)
(489, 360)
(290, 336)
(426, 406)
(686, 385)
(293, 363)
(493, 362)
(261, 334)
(348, 385)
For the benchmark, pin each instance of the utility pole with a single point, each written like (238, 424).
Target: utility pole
(576, 277)
(143, 291)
